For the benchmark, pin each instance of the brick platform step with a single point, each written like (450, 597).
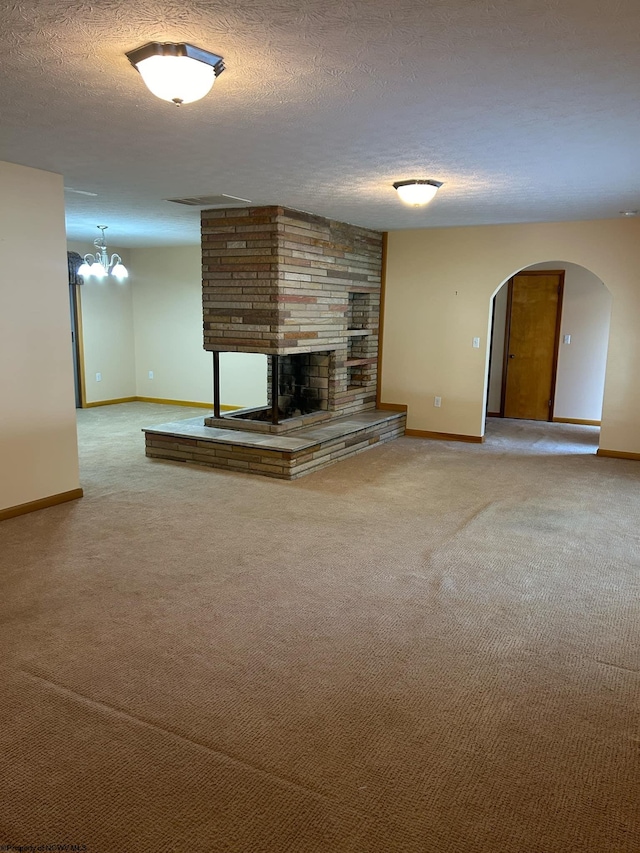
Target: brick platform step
(286, 457)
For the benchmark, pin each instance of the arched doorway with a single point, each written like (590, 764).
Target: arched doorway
(579, 368)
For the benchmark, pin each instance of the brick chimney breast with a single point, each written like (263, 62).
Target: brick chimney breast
(279, 281)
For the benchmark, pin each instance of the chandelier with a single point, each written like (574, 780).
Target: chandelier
(99, 264)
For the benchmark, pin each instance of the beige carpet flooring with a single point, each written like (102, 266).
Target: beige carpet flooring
(432, 647)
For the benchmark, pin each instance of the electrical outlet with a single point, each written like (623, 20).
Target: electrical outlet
(437, 402)
(151, 374)
(98, 377)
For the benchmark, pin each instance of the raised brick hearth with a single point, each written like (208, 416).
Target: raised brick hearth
(285, 457)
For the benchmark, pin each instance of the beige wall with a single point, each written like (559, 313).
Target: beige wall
(586, 314)
(38, 447)
(153, 322)
(107, 332)
(243, 379)
(168, 325)
(167, 310)
(439, 287)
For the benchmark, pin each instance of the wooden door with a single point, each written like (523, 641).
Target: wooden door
(531, 350)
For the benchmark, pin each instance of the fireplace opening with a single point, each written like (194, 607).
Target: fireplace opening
(297, 390)
(300, 385)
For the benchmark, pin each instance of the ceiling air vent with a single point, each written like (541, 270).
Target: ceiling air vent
(221, 200)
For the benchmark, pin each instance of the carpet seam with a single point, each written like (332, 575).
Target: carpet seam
(103, 706)
(617, 666)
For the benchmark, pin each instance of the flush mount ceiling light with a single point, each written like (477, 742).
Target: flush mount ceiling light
(628, 212)
(417, 191)
(99, 264)
(179, 73)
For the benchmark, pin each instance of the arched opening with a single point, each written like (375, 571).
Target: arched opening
(577, 370)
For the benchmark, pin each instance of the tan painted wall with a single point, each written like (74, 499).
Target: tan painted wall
(107, 331)
(38, 445)
(153, 322)
(167, 312)
(582, 363)
(586, 313)
(439, 287)
(243, 379)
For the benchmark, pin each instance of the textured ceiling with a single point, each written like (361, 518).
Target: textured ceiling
(527, 110)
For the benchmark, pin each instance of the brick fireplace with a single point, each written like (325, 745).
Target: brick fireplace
(286, 283)
(305, 292)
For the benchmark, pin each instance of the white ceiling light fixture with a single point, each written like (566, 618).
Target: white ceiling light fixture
(99, 265)
(176, 72)
(417, 191)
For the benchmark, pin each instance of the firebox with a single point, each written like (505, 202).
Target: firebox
(297, 395)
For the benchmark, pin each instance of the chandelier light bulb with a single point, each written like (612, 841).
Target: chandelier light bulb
(417, 191)
(178, 73)
(97, 270)
(119, 271)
